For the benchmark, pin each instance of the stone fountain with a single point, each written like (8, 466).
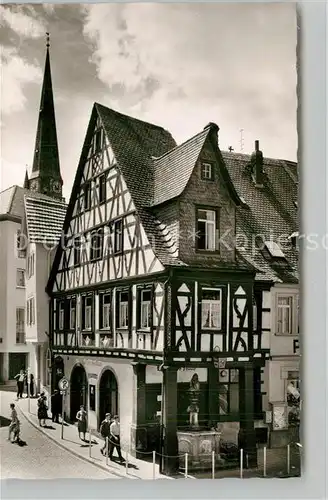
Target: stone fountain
(197, 442)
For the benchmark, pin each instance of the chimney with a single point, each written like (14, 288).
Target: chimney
(257, 165)
(214, 132)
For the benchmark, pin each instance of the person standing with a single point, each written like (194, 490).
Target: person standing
(30, 385)
(55, 406)
(20, 378)
(114, 439)
(82, 422)
(105, 430)
(42, 409)
(13, 420)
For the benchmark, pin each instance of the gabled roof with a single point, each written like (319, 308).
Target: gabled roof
(147, 157)
(172, 170)
(12, 203)
(44, 218)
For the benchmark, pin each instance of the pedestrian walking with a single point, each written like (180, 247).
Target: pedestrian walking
(20, 379)
(105, 430)
(82, 422)
(42, 409)
(115, 439)
(13, 420)
(17, 432)
(56, 406)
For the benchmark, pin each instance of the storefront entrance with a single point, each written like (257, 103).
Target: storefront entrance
(78, 390)
(108, 395)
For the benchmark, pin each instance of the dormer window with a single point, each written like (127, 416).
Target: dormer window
(207, 171)
(294, 239)
(274, 250)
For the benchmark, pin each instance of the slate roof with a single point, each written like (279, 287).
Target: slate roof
(269, 211)
(46, 157)
(134, 144)
(149, 159)
(147, 156)
(170, 179)
(44, 218)
(10, 202)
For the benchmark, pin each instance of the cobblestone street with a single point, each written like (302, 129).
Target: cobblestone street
(41, 458)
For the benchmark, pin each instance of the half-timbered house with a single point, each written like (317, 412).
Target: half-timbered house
(150, 288)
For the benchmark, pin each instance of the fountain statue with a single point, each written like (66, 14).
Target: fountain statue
(198, 442)
(193, 408)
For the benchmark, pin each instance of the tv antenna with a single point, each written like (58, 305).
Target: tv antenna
(241, 139)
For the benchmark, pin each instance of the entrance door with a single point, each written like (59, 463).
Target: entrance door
(108, 395)
(17, 362)
(78, 390)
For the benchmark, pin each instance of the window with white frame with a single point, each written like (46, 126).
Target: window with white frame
(20, 278)
(30, 265)
(118, 236)
(30, 310)
(211, 307)
(21, 249)
(61, 315)
(106, 311)
(20, 325)
(207, 171)
(123, 310)
(87, 315)
(287, 314)
(72, 314)
(207, 234)
(145, 309)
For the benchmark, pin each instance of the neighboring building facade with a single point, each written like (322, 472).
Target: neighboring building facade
(146, 294)
(35, 212)
(15, 353)
(42, 225)
(270, 212)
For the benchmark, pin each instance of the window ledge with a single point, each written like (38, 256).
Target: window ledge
(286, 334)
(144, 330)
(207, 252)
(96, 258)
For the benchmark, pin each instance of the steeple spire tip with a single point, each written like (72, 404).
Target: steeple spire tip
(48, 40)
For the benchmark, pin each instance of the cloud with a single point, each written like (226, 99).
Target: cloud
(22, 23)
(15, 74)
(180, 63)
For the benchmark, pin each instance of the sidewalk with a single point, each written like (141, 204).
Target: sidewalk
(136, 469)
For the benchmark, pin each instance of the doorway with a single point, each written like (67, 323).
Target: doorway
(108, 395)
(17, 362)
(78, 390)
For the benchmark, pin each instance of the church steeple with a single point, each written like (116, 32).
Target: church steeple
(45, 177)
(26, 184)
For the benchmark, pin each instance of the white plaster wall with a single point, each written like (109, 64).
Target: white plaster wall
(11, 296)
(123, 371)
(277, 377)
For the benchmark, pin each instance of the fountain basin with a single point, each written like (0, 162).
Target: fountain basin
(199, 445)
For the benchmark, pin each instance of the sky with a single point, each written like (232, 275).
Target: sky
(180, 66)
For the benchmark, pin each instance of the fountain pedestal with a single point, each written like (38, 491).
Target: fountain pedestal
(199, 445)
